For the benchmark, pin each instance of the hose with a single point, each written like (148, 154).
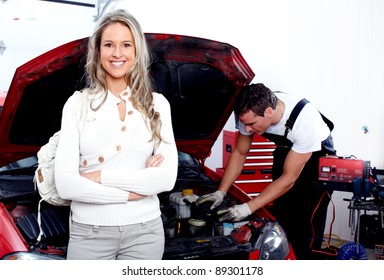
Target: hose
(349, 252)
(329, 236)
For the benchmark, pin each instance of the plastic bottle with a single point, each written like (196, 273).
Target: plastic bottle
(183, 210)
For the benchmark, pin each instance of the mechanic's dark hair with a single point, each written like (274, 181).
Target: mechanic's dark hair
(254, 97)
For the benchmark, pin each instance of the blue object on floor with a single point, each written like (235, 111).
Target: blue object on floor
(349, 252)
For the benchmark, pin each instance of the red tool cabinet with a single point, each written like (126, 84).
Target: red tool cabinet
(257, 171)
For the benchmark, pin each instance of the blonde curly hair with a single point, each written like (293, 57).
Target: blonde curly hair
(137, 77)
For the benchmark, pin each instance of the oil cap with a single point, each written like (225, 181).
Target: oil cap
(187, 192)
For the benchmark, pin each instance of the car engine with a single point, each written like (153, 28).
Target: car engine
(191, 231)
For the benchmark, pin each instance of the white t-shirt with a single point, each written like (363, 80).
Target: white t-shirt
(308, 131)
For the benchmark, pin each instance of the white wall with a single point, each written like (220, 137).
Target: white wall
(29, 28)
(329, 51)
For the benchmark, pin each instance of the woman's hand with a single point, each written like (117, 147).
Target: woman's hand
(135, 196)
(154, 161)
(94, 176)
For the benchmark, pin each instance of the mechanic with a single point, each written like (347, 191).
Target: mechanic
(295, 197)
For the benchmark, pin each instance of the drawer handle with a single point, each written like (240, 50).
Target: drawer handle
(228, 148)
(248, 171)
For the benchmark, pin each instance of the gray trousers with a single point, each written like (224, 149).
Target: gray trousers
(144, 241)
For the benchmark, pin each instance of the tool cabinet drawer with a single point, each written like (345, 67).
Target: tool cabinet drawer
(252, 179)
(261, 149)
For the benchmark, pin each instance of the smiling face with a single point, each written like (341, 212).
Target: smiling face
(117, 52)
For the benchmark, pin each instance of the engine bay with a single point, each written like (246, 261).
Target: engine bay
(191, 231)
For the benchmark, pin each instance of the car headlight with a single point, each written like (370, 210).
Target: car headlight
(272, 242)
(30, 256)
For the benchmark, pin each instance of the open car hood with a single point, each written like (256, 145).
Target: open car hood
(199, 77)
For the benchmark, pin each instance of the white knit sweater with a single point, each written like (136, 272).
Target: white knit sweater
(119, 149)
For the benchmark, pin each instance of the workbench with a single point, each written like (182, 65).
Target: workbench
(358, 206)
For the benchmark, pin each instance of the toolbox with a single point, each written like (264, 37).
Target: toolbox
(257, 170)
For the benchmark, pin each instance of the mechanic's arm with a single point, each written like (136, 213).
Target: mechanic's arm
(232, 171)
(293, 165)
(236, 161)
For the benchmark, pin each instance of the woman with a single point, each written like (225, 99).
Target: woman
(125, 154)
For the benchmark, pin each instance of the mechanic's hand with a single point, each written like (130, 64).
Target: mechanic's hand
(217, 198)
(235, 213)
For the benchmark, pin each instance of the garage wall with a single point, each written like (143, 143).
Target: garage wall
(29, 28)
(330, 52)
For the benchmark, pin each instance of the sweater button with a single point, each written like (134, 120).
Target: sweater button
(118, 148)
(85, 162)
(130, 112)
(101, 159)
(123, 128)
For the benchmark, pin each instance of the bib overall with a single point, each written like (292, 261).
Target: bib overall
(302, 211)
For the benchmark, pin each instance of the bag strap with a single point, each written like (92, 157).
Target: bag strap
(81, 109)
(81, 116)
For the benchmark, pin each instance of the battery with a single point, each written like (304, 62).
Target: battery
(338, 169)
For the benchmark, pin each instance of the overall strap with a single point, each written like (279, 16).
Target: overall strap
(293, 116)
(282, 140)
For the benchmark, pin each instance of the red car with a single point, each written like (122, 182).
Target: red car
(200, 78)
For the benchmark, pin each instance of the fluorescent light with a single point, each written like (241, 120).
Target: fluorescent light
(86, 3)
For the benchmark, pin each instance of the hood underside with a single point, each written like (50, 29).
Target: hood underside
(199, 77)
